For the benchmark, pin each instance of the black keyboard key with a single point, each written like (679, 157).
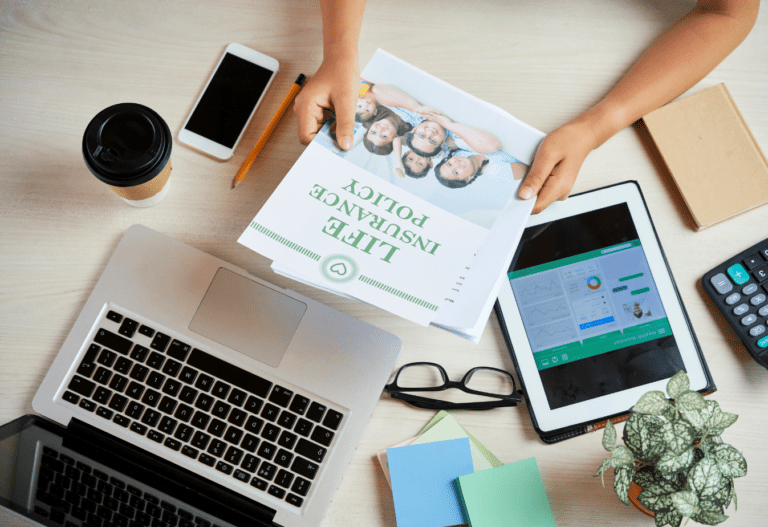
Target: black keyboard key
(287, 439)
(333, 419)
(200, 420)
(102, 375)
(229, 373)
(224, 467)
(134, 410)
(259, 483)
(184, 432)
(266, 450)
(172, 444)
(250, 463)
(102, 395)
(118, 402)
(237, 397)
(299, 404)
(217, 427)
(233, 455)
(284, 458)
(160, 342)
(128, 328)
(167, 425)
(82, 386)
(322, 436)
(315, 412)
(301, 486)
(233, 435)
(204, 382)
(151, 398)
(304, 468)
(188, 395)
(139, 372)
(270, 412)
(155, 360)
(200, 440)
(294, 500)
(217, 447)
(242, 476)
(204, 402)
(286, 419)
(178, 350)
(281, 396)
(171, 387)
(189, 451)
(139, 353)
(303, 427)
(188, 375)
(146, 331)
(184, 413)
(118, 383)
(221, 389)
(284, 478)
(267, 471)
(70, 397)
(220, 409)
(310, 450)
(135, 390)
(253, 404)
(150, 417)
(250, 443)
(122, 420)
(123, 365)
(86, 368)
(113, 341)
(114, 316)
(237, 417)
(254, 424)
(276, 491)
(171, 367)
(167, 405)
(87, 405)
(270, 432)
(155, 436)
(104, 412)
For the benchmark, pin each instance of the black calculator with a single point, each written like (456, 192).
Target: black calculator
(739, 289)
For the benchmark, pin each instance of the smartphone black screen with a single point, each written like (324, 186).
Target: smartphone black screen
(229, 100)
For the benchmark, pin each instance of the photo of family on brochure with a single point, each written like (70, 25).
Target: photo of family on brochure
(420, 147)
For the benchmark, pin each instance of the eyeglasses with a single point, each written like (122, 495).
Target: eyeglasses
(428, 376)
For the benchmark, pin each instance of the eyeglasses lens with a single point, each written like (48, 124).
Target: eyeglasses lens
(420, 376)
(491, 382)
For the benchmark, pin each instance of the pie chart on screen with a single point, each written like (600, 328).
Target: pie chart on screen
(593, 282)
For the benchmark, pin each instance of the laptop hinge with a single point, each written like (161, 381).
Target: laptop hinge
(167, 477)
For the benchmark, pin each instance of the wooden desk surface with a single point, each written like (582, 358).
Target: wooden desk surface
(545, 62)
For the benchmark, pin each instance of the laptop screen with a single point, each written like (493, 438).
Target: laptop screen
(46, 478)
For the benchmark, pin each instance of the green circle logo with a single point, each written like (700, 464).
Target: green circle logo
(339, 268)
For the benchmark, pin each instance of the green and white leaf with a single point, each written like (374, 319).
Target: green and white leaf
(690, 401)
(730, 462)
(601, 471)
(622, 477)
(643, 435)
(721, 420)
(700, 418)
(670, 464)
(653, 403)
(656, 494)
(678, 435)
(678, 384)
(622, 457)
(709, 513)
(706, 478)
(668, 517)
(685, 502)
(644, 477)
(732, 496)
(609, 436)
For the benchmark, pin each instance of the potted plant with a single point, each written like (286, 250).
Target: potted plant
(673, 450)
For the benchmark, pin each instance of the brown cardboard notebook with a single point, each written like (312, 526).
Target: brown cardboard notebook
(712, 156)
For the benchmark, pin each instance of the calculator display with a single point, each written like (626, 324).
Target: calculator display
(590, 307)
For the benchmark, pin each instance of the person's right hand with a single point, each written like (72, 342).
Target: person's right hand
(335, 87)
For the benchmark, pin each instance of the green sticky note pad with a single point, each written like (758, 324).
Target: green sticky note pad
(507, 496)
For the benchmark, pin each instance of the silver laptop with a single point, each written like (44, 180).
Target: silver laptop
(250, 395)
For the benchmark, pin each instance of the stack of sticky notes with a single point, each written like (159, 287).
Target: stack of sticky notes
(444, 476)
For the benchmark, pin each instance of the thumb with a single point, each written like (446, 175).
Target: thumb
(344, 104)
(540, 170)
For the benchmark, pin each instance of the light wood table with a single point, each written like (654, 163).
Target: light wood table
(545, 62)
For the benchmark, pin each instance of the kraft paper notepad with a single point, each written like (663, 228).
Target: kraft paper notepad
(507, 496)
(424, 485)
(711, 154)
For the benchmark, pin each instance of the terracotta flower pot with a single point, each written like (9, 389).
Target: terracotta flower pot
(634, 492)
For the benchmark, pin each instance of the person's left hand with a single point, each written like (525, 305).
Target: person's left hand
(438, 117)
(557, 163)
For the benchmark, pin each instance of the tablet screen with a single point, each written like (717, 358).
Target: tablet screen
(590, 307)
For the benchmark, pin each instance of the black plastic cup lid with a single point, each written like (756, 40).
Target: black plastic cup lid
(126, 145)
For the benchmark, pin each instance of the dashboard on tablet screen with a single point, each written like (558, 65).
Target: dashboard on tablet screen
(590, 307)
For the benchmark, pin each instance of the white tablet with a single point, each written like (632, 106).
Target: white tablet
(592, 314)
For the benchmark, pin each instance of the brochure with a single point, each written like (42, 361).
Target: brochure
(421, 217)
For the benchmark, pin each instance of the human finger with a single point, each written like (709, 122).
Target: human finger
(543, 164)
(309, 121)
(344, 102)
(557, 185)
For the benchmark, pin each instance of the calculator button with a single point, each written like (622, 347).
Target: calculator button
(740, 309)
(763, 311)
(763, 342)
(721, 283)
(757, 299)
(738, 274)
(749, 289)
(757, 330)
(764, 253)
(761, 275)
(749, 319)
(753, 261)
(733, 298)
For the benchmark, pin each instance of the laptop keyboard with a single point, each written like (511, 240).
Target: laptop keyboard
(207, 409)
(79, 494)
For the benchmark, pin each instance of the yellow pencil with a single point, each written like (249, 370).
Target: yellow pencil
(270, 128)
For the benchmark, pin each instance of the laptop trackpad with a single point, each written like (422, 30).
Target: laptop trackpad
(248, 317)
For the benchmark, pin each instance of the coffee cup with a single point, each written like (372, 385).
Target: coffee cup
(128, 147)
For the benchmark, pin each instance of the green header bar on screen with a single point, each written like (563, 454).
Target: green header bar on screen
(578, 258)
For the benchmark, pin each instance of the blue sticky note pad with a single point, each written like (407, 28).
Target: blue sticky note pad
(423, 482)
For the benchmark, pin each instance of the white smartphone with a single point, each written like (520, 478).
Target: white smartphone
(228, 101)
